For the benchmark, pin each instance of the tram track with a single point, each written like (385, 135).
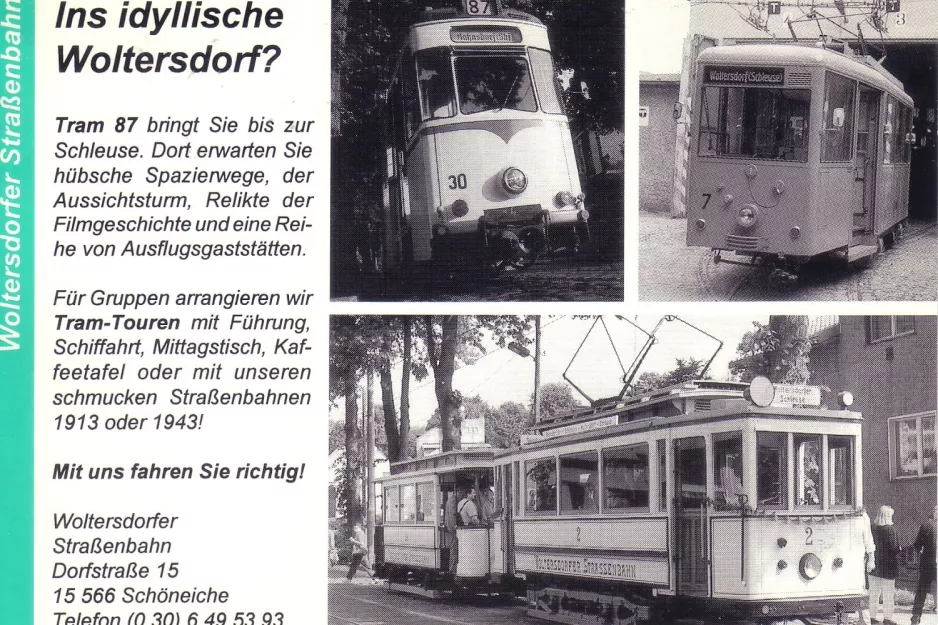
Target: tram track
(385, 606)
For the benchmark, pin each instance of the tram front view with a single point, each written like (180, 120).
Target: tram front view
(483, 171)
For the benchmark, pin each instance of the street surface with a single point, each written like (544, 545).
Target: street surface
(560, 279)
(671, 271)
(364, 603)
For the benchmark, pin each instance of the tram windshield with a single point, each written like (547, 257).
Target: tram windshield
(817, 480)
(493, 83)
(755, 122)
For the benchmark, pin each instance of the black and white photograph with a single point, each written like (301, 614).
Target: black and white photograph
(632, 469)
(787, 151)
(477, 150)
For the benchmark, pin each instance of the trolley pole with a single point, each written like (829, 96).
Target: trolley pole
(537, 369)
(370, 465)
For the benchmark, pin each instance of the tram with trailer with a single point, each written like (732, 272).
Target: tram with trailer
(480, 168)
(796, 152)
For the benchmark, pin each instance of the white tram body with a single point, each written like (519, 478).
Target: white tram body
(480, 166)
(796, 151)
(688, 501)
(412, 548)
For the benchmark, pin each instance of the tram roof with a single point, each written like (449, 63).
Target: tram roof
(440, 27)
(862, 68)
(448, 462)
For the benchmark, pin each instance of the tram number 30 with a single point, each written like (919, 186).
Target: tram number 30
(458, 181)
(479, 7)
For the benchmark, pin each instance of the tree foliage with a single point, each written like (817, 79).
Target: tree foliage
(556, 398)
(777, 350)
(684, 370)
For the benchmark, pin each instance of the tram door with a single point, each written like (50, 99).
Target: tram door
(866, 159)
(690, 512)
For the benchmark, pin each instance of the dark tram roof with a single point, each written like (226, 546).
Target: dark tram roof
(437, 15)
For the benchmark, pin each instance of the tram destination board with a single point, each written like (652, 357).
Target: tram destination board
(766, 76)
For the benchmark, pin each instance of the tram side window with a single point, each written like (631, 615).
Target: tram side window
(392, 509)
(840, 470)
(625, 477)
(755, 122)
(579, 482)
(772, 470)
(540, 485)
(903, 147)
(728, 468)
(425, 502)
(808, 469)
(839, 103)
(545, 78)
(889, 134)
(494, 82)
(408, 503)
(663, 475)
(435, 84)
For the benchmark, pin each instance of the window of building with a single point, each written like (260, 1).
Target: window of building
(885, 327)
(912, 445)
(808, 476)
(840, 469)
(772, 470)
(625, 477)
(408, 503)
(425, 501)
(727, 469)
(540, 481)
(579, 482)
(838, 119)
(392, 511)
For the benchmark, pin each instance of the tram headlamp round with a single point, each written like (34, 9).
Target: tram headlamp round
(701, 224)
(565, 198)
(440, 230)
(514, 180)
(747, 215)
(779, 187)
(794, 232)
(460, 208)
(583, 215)
(845, 398)
(810, 566)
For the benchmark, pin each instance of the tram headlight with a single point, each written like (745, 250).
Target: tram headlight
(460, 208)
(565, 198)
(440, 230)
(514, 180)
(810, 566)
(747, 215)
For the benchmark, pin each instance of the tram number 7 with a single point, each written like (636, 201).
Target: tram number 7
(706, 201)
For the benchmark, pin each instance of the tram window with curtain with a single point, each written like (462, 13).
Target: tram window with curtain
(772, 470)
(625, 478)
(755, 122)
(435, 84)
(840, 470)
(540, 485)
(579, 482)
(728, 469)
(494, 82)
(808, 469)
(425, 501)
(839, 103)
(408, 503)
(545, 79)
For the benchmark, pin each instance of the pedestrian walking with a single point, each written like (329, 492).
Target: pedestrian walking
(359, 554)
(883, 576)
(924, 545)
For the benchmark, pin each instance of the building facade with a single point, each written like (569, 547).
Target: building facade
(657, 94)
(889, 364)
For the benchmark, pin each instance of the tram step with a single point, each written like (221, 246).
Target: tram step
(857, 252)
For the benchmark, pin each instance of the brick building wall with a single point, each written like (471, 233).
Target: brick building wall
(889, 378)
(656, 141)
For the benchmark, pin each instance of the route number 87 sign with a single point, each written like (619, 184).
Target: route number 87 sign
(481, 7)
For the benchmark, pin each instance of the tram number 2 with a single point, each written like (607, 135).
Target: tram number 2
(458, 181)
(578, 533)
(808, 536)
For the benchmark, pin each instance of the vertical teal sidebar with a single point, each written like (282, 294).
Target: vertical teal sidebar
(17, 297)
